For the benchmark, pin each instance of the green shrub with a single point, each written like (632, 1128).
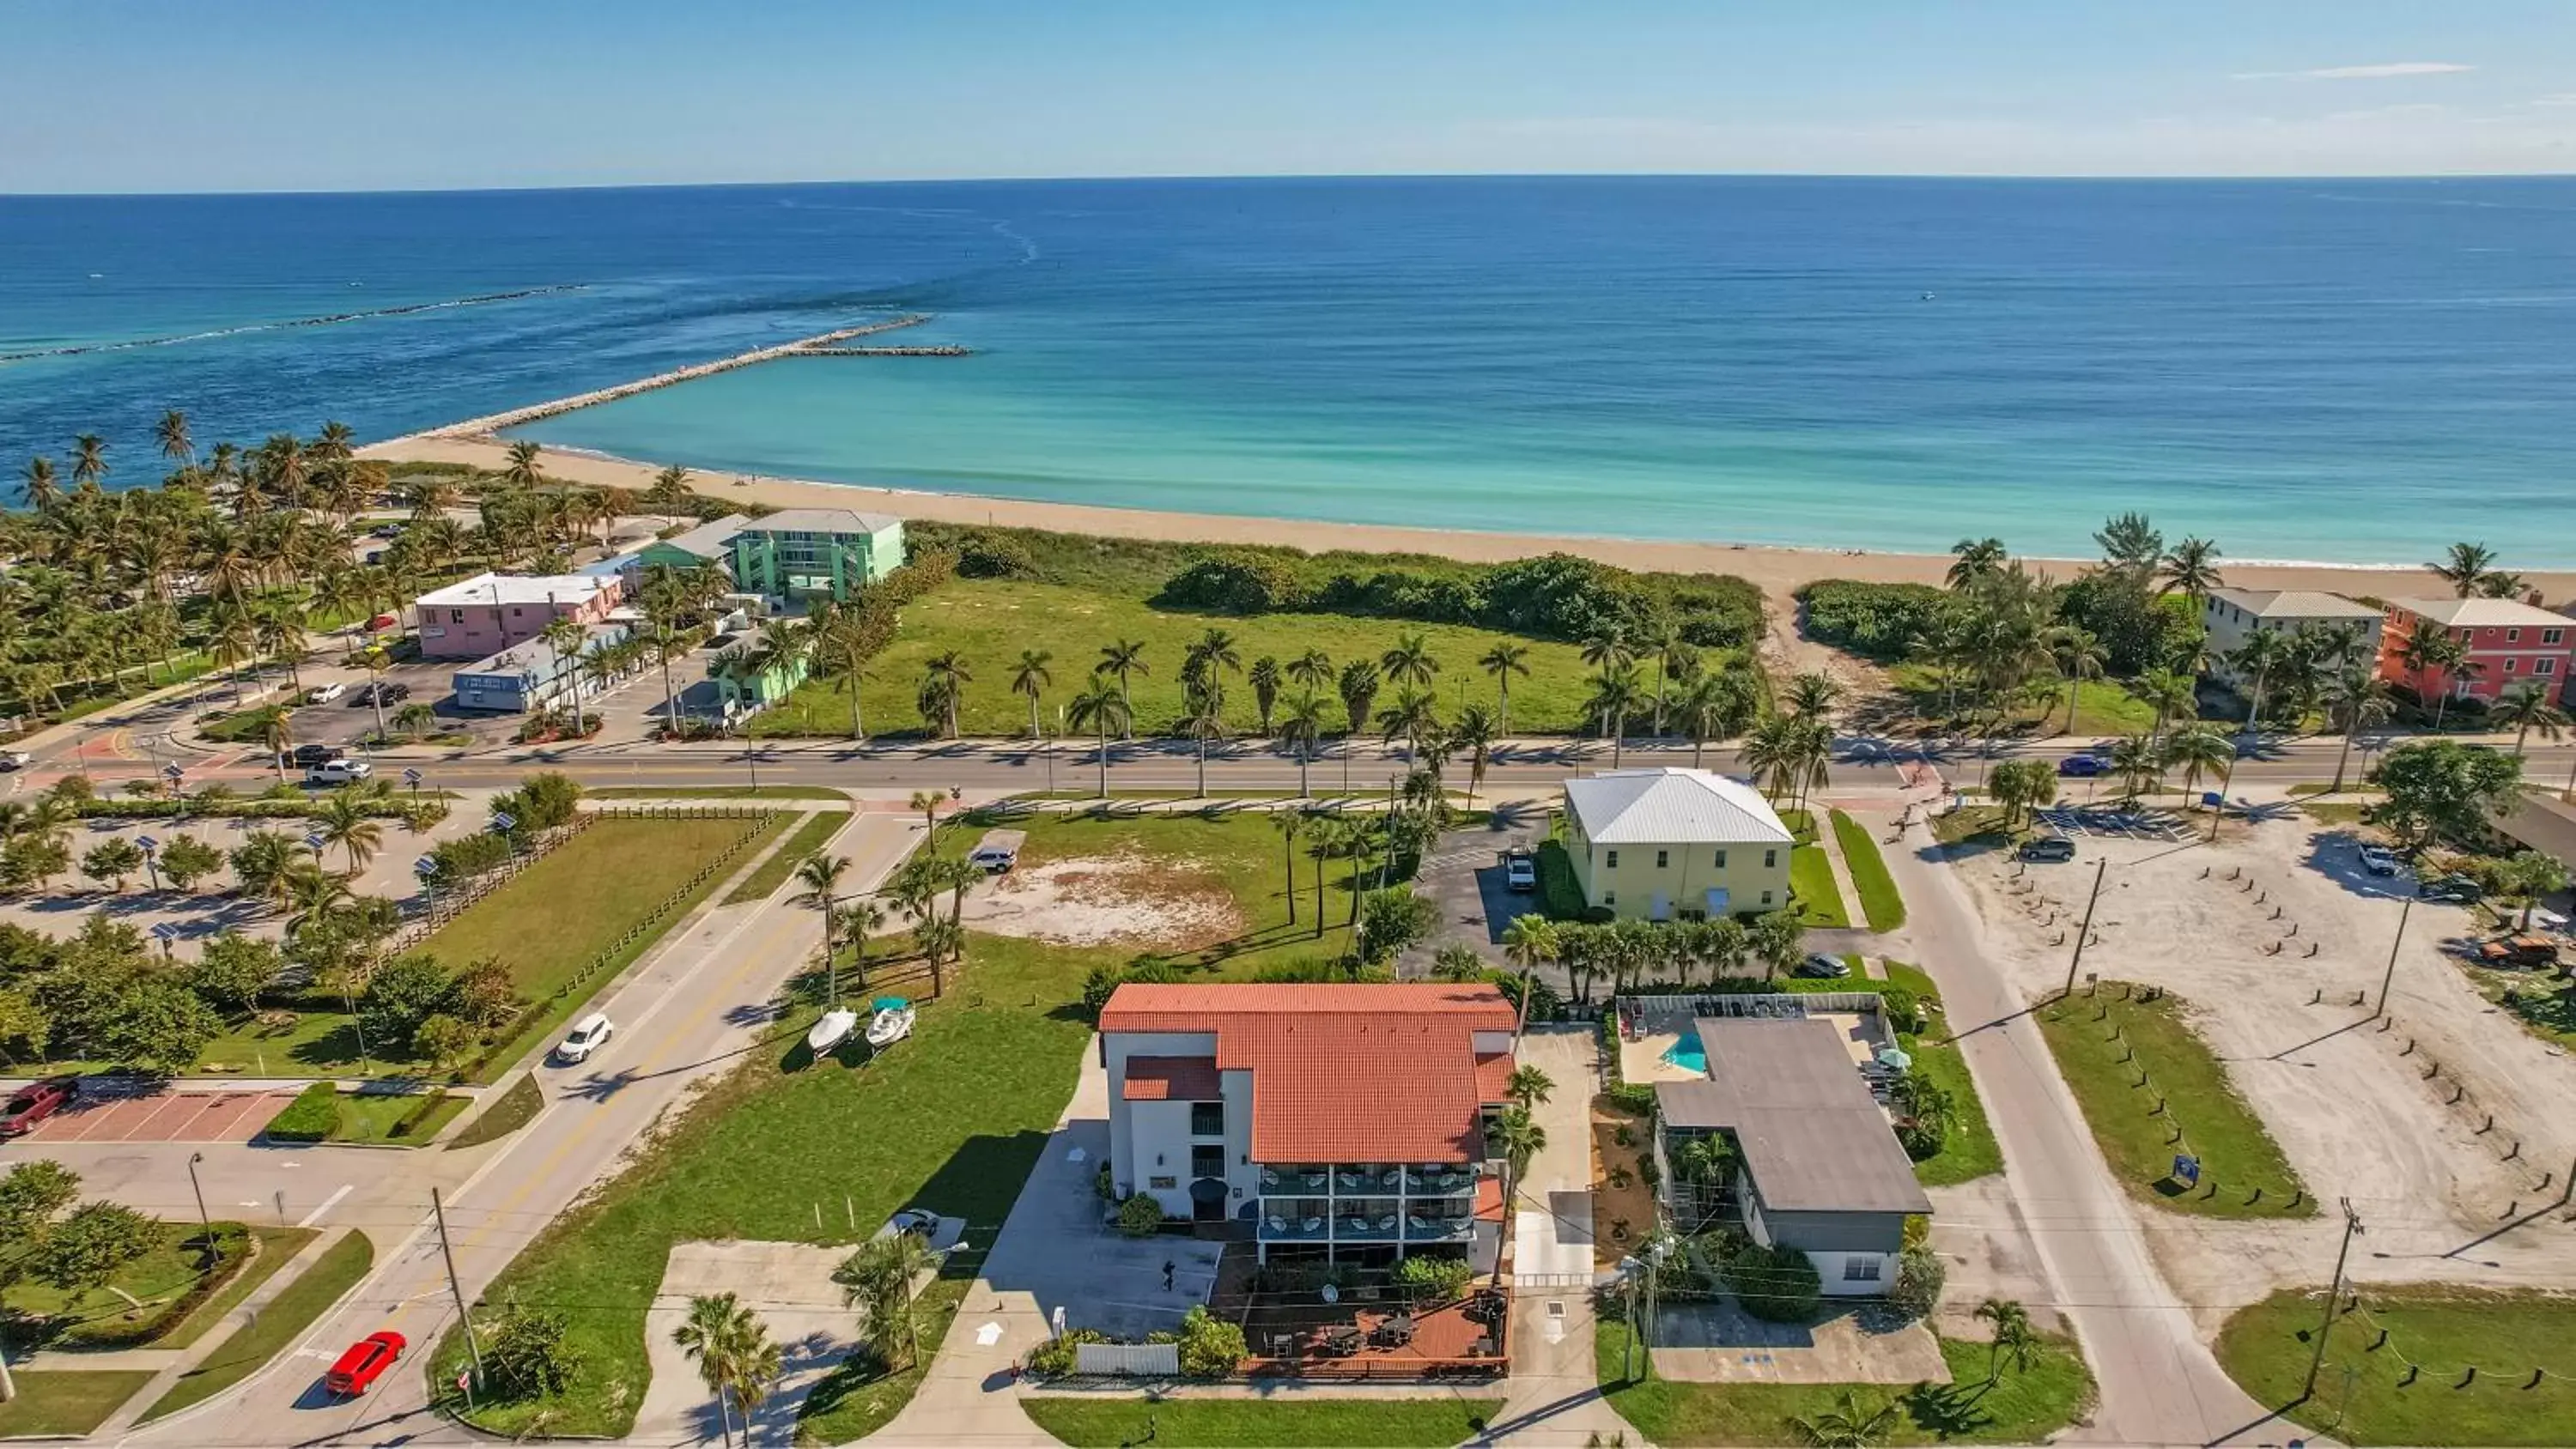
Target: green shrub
(1877, 620)
(1919, 1276)
(1635, 1098)
(1211, 1347)
(1903, 1012)
(1235, 583)
(988, 554)
(471, 855)
(1435, 1279)
(1140, 1216)
(313, 1116)
(1776, 1284)
(1391, 920)
(1054, 1358)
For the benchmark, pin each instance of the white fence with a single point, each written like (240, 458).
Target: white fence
(1752, 1003)
(1130, 1360)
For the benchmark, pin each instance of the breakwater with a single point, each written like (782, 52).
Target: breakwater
(946, 349)
(818, 345)
(331, 320)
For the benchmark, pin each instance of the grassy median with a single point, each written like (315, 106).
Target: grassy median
(1372, 1423)
(1880, 903)
(2366, 1393)
(286, 1319)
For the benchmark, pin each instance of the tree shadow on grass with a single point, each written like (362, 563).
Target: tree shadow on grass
(1948, 1411)
(982, 1178)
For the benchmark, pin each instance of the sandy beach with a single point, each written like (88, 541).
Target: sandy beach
(1776, 571)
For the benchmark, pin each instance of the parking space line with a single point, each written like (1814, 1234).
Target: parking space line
(141, 1131)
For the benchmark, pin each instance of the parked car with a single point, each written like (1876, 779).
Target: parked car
(392, 691)
(1520, 870)
(385, 530)
(998, 851)
(325, 693)
(365, 1361)
(2380, 860)
(339, 772)
(588, 1035)
(305, 757)
(2526, 952)
(12, 761)
(1821, 967)
(36, 1102)
(2047, 850)
(2456, 890)
(2081, 766)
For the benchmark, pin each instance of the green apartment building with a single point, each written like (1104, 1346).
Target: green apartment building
(1664, 844)
(797, 554)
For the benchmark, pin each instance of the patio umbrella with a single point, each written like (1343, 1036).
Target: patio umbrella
(1894, 1057)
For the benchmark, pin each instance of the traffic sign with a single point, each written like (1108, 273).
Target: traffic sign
(425, 867)
(146, 844)
(503, 822)
(174, 770)
(2186, 1170)
(412, 778)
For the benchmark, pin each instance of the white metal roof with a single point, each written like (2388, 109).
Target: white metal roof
(2293, 604)
(488, 589)
(819, 520)
(2480, 613)
(1670, 805)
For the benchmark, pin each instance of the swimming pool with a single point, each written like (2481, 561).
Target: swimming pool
(1688, 1054)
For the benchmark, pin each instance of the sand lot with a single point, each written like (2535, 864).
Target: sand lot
(1109, 900)
(2349, 1102)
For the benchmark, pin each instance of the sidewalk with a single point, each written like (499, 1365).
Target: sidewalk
(175, 1364)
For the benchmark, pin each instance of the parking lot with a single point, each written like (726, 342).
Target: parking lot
(2091, 822)
(163, 1116)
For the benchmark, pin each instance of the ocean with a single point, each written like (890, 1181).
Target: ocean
(2344, 371)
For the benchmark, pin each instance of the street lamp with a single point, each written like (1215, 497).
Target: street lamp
(204, 1224)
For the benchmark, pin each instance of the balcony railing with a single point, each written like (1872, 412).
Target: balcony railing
(1365, 1177)
(1418, 1229)
(1282, 1228)
(1366, 1220)
(1438, 1181)
(1276, 1180)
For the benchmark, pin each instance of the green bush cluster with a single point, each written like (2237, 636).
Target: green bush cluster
(1434, 1278)
(1054, 1358)
(1140, 1216)
(1104, 980)
(1211, 1347)
(1879, 621)
(468, 856)
(1776, 1284)
(312, 1117)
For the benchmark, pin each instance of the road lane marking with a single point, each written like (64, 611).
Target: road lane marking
(327, 1204)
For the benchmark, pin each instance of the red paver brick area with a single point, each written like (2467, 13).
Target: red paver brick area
(163, 1117)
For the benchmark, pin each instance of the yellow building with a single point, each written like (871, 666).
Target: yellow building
(1665, 844)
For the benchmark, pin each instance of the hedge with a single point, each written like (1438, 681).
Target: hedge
(229, 1243)
(1880, 621)
(312, 1117)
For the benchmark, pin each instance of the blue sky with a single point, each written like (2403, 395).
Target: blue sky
(219, 95)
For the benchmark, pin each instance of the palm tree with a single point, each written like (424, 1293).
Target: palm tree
(1713, 706)
(1529, 1086)
(2438, 654)
(89, 462)
(712, 1334)
(2525, 706)
(2190, 569)
(2263, 651)
(172, 434)
(2079, 656)
(1473, 736)
(1413, 715)
(944, 677)
(1124, 658)
(861, 919)
(2465, 567)
(1674, 658)
(2138, 763)
(1501, 662)
(1265, 689)
(38, 485)
(2355, 698)
(2168, 691)
(279, 736)
(1312, 669)
(1410, 661)
(1812, 696)
(566, 637)
(1104, 709)
(342, 820)
(520, 471)
(927, 802)
(1358, 683)
(1774, 751)
(1975, 559)
(1301, 727)
(842, 637)
(2013, 1335)
(1608, 650)
(755, 1362)
(1527, 941)
(1615, 697)
(1852, 1423)
(820, 875)
(1205, 722)
(2199, 749)
(1520, 1139)
(877, 1280)
(1029, 679)
(1211, 653)
(1291, 824)
(1779, 938)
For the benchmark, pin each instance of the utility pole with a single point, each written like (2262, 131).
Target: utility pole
(2334, 1299)
(474, 1350)
(2086, 929)
(2389, 977)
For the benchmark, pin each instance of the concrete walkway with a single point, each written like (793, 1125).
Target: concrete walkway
(1833, 850)
(176, 1363)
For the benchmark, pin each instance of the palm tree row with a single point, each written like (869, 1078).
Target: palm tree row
(1632, 952)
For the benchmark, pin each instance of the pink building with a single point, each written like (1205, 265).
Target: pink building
(488, 613)
(2509, 642)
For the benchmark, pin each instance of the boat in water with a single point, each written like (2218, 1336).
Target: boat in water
(829, 1031)
(892, 1022)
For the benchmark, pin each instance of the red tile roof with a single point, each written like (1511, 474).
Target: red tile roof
(1172, 1079)
(1359, 1073)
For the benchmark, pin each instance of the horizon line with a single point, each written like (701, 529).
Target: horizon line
(1316, 176)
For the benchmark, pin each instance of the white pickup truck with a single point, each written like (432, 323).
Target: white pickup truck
(339, 772)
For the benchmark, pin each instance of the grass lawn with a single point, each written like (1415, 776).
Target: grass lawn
(2019, 1407)
(813, 835)
(718, 792)
(1970, 1151)
(276, 1246)
(2102, 707)
(952, 1120)
(990, 621)
(2236, 1154)
(517, 1108)
(620, 871)
(161, 1280)
(67, 1405)
(2445, 1329)
(1973, 825)
(278, 1327)
(1811, 876)
(375, 1118)
(2333, 812)
(1879, 901)
(1094, 1423)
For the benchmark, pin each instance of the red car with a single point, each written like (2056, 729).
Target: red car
(366, 1360)
(33, 1104)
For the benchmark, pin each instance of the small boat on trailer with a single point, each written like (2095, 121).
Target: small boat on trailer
(891, 1023)
(829, 1031)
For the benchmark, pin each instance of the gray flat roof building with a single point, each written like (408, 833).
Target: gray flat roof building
(1812, 1137)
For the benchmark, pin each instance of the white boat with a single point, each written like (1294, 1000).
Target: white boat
(827, 1033)
(892, 1023)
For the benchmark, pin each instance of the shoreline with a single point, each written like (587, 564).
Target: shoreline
(1778, 570)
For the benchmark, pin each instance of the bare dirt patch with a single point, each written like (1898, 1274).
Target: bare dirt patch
(2270, 933)
(1110, 901)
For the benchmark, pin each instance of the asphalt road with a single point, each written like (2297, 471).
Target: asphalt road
(698, 1004)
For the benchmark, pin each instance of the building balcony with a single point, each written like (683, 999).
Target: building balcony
(1444, 1180)
(1279, 1224)
(1367, 1220)
(1353, 1179)
(1419, 1229)
(1292, 1178)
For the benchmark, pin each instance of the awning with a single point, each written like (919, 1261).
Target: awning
(1208, 1190)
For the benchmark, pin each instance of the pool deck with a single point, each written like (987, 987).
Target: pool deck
(1643, 1060)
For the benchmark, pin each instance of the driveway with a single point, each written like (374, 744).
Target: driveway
(1463, 879)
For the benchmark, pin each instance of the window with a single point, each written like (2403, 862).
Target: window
(2552, 636)
(2509, 665)
(1663, 858)
(1858, 1269)
(1766, 898)
(1207, 1162)
(1207, 1119)
(1165, 1183)
(456, 616)
(516, 611)
(1609, 898)
(1721, 860)
(2544, 666)
(1612, 860)
(1770, 858)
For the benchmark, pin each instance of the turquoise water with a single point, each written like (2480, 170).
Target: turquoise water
(1688, 1054)
(2348, 371)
